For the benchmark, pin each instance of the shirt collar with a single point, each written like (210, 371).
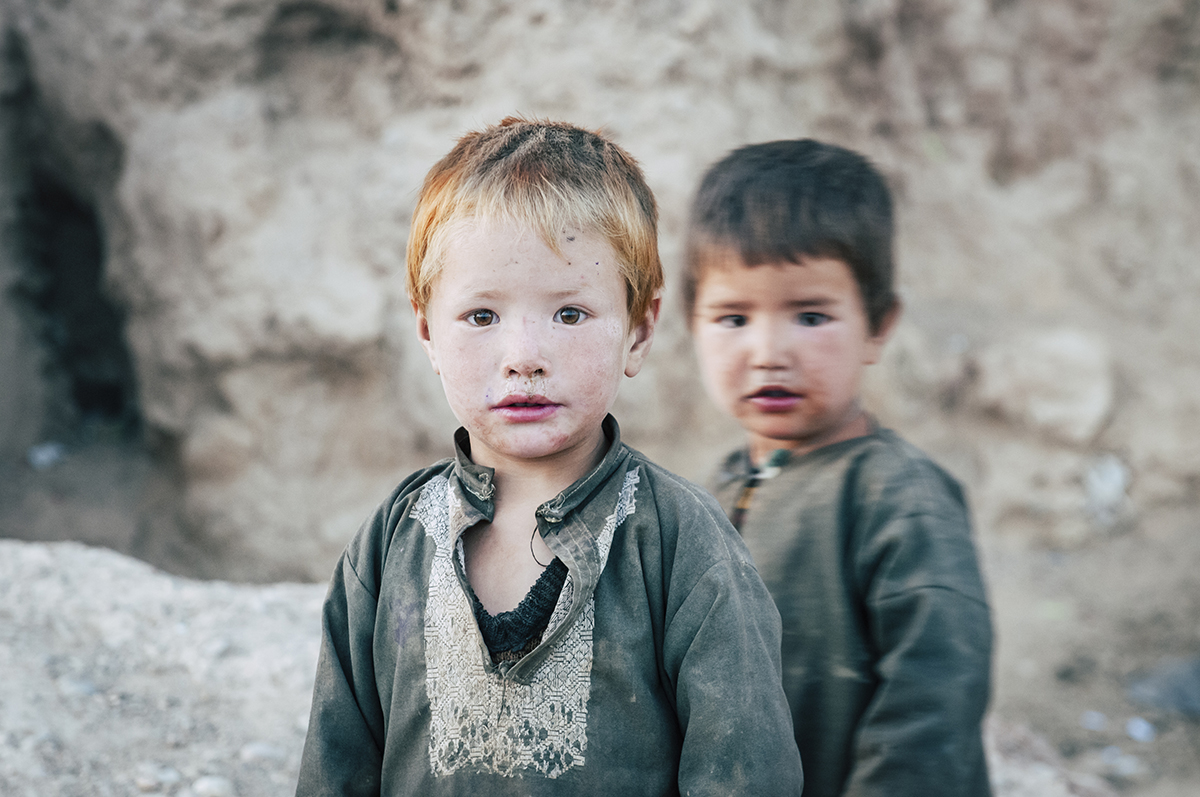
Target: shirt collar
(477, 479)
(738, 466)
(479, 487)
(735, 467)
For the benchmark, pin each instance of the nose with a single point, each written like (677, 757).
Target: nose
(525, 350)
(768, 345)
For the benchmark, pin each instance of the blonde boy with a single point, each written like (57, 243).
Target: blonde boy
(863, 541)
(547, 612)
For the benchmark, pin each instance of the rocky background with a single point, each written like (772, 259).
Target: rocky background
(207, 359)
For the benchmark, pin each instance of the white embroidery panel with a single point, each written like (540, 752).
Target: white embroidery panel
(478, 719)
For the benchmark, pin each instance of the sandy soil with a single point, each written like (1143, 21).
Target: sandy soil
(1076, 627)
(122, 680)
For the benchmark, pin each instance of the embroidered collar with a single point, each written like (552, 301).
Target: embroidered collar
(478, 482)
(575, 537)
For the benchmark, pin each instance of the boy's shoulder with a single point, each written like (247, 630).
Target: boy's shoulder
(668, 485)
(884, 457)
(873, 498)
(409, 489)
(886, 467)
(674, 501)
(878, 468)
(684, 510)
(369, 545)
(674, 493)
(671, 494)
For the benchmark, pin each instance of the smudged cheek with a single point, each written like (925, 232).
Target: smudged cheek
(596, 370)
(558, 439)
(725, 370)
(467, 392)
(831, 365)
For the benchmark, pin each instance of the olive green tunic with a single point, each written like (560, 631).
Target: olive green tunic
(658, 674)
(866, 547)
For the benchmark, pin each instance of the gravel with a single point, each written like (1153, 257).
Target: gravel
(122, 680)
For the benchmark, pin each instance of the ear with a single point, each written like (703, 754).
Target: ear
(641, 336)
(887, 325)
(424, 336)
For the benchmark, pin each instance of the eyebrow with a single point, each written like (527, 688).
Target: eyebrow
(736, 304)
(489, 295)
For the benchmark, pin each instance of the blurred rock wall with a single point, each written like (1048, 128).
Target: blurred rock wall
(253, 165)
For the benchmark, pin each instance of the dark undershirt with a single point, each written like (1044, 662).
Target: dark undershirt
(511, 635)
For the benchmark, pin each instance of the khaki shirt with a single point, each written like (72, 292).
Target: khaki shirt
(887, 638)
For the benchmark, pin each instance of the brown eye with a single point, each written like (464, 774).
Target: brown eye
(481, 318)
(569, 315)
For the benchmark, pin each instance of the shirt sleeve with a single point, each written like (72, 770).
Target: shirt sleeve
(343, 752)
(721, 649)
(929, 623)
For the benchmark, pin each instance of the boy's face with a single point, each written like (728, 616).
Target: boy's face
(782, 347)
(531, 345)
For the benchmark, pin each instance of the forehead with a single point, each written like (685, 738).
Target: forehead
(498, 255)
(723, 276)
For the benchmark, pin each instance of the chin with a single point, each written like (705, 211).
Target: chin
(783, 432)
(535, 448)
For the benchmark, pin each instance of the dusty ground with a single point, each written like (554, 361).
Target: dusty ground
(122, 679)
(1074, 629)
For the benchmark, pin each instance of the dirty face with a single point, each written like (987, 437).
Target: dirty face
(531, 345)
(782, 347)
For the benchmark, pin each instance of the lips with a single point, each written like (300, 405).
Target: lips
(774, 399)
(523, 409)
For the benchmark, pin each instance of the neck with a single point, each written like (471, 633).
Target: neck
(856, 424)
(533, 481)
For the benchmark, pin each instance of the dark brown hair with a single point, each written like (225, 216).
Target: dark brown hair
(784, 200)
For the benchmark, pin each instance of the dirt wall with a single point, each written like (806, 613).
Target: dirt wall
(253, 164)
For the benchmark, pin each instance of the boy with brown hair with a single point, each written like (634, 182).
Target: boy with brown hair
(864, 542)
(547, 612)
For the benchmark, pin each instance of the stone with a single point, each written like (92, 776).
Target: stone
(1056, 381)
(1105, 485)
(1034, 494)
(262, 751)
(213, 786)
(1173, 685)
(204, 673)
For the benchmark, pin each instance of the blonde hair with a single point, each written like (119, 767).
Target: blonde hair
(549, 176)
